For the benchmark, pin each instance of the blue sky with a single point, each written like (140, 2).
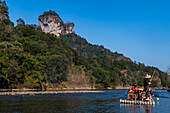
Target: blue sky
(140, 29)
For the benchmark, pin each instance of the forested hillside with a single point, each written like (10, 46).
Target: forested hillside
(87, 50)
(121, 70)
(30, 58)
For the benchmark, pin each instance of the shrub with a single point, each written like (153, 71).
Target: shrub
(64, 85)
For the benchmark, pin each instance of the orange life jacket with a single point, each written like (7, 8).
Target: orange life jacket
(134, 89)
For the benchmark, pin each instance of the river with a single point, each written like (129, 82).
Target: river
(83, 102)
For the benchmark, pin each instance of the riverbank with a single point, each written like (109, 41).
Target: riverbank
(63, 90)
(47, 92)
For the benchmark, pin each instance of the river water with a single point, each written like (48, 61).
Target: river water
(83, 102)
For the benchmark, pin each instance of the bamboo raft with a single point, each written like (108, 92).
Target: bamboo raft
(126, 101)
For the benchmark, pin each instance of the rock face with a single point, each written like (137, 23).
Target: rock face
(50, 22)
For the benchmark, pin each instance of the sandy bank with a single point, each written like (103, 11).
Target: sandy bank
(122, 88)
(46, 92)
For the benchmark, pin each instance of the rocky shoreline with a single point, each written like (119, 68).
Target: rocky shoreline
(60, 91)
(46, 92)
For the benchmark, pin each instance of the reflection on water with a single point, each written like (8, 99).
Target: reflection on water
(85, 102)
(137, 108)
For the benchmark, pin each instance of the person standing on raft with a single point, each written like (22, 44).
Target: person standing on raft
(147, 83)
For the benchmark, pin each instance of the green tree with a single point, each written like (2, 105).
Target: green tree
(29, 74)
(4, 80)
(20, 21)
(102, 77)
(154, 83)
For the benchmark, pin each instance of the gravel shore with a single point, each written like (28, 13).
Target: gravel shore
(46, 92)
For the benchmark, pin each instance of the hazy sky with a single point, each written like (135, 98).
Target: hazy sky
(140, 29)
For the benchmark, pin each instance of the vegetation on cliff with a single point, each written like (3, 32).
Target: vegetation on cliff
(87, 50)
(49, 13)
(30, 58)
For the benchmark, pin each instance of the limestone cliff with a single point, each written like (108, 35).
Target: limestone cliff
(50, 22)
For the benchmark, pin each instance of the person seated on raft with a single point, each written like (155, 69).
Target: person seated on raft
(133, 88)
(136, 91)
(147, 83)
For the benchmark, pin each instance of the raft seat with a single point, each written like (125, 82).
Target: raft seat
(132, 95)
(144, 96)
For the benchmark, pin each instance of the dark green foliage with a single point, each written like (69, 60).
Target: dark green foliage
(4, 80)
(154, 84)
(102, 77)
(108, 72)
(34, 57)
(20, 21)
(87, 50)
(28, 71)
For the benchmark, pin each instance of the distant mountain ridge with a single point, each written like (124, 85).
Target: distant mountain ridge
(87, 50)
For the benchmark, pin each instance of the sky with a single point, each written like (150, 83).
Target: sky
(139, 29)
